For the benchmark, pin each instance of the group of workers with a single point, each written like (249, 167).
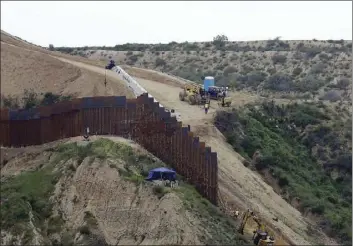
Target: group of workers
(222, 94)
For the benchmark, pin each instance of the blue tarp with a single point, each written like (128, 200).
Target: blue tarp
(161, 172)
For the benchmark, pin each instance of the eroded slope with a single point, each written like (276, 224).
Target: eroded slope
(98, 195)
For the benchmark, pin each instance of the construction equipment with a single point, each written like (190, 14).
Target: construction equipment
(260, 237)
(194, 94)
(215, 92)
(219, 94)
(201, 94)
(110, 65)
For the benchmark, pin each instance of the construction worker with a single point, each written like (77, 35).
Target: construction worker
(86, 134)
(201, 91)
(224, 93)
(206, 107)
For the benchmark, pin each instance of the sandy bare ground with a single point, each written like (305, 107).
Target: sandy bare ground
(24, 69)
(9, 39)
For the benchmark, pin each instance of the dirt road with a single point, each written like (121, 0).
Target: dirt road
(238, 184)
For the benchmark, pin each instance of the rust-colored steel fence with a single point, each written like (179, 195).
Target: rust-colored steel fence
(140, 119)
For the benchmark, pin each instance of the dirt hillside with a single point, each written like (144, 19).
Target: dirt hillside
(24, 69)
(100, 197)
(25, 66)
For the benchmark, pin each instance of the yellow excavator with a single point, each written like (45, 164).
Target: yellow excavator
(192, 93)
(260, 237)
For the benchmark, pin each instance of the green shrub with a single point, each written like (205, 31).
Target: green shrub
(311, 52)
(10, 102)
(31, 99)
(50, 98)
(160, 191)
(318, 68)
(309, 83)
(160, 62)
(219, 41)
(279, 82)
(297, 71)
(228, 70)
(324, 57)
(343, 83)
(25, 192)
(279, 59)
(84, 230)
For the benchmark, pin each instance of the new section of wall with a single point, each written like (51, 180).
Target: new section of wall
(140, 119)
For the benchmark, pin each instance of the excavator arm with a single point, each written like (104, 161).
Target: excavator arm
(260, 225)
(245, 218)
(260, 237)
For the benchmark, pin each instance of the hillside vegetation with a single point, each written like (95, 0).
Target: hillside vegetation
(308, 69)
(31, 99)
(73, 194)
(304, 151)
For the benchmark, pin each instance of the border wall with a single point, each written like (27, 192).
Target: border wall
(141, 119)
